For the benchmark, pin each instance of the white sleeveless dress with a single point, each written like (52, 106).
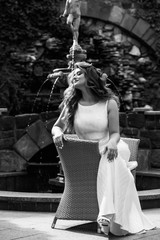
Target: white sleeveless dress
(116, 191)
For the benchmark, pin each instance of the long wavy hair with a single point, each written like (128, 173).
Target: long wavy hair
(96, 82)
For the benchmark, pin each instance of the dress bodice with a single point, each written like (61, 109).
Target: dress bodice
(91, 122)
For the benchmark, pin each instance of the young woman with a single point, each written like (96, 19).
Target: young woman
(90, 110)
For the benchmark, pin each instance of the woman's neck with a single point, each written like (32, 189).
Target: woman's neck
(87, 98)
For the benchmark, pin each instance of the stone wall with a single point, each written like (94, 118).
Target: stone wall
(143, 125)
(146, 127)
(15, 141)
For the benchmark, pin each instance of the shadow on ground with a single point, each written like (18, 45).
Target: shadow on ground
(91, 228)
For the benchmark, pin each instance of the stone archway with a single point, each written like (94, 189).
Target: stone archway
(119, 17)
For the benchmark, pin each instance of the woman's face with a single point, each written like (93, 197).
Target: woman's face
(79, 80)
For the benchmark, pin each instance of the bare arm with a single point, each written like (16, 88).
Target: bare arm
(57, 131)
(114, 136)
(113, 118)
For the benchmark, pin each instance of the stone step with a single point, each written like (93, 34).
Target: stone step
(149, 198)
(48, 202)
(33, 180)
(28, 201)
(15, 181)
(148, 179)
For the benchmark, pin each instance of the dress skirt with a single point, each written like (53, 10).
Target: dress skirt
(117, 195)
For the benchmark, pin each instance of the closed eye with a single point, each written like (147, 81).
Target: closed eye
(79, 73)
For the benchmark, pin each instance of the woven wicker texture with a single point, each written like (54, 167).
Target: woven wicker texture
(80, 161)
(133, 144)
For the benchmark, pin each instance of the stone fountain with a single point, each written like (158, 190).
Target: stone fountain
(76, 53)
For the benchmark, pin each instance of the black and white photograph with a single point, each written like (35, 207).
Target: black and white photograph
(80, 119)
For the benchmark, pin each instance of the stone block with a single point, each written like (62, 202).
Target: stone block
(145, 143)
(7, 143)
(23, 120)
(150, 122)
(93, 9)
(148, 34)
(100, 10)
(153, 135)
(19, 133)
(116, 15)
(26, 147)
(143, 159)
(128, 22)
(104, 11)
(130, 132)
(50, 123)
(157, 121)
(151, 40)
(123, 119)
(50, 115)
(6, 134)
(154, 45)
(150, 125)
(136, 120)
(140, 28)
(7, 123)
(40, 135)
(155, 158)
(10, 161)
(155, 144)
(10, 182)
(3, 184)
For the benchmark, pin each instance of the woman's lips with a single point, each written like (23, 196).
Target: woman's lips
(75, 80)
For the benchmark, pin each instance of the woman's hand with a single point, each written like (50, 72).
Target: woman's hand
(58, 140)
(112, 151)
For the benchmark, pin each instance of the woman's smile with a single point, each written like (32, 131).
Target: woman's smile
(75, 80)
(78, 78)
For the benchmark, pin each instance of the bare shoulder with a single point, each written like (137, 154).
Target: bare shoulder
(112, 104)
